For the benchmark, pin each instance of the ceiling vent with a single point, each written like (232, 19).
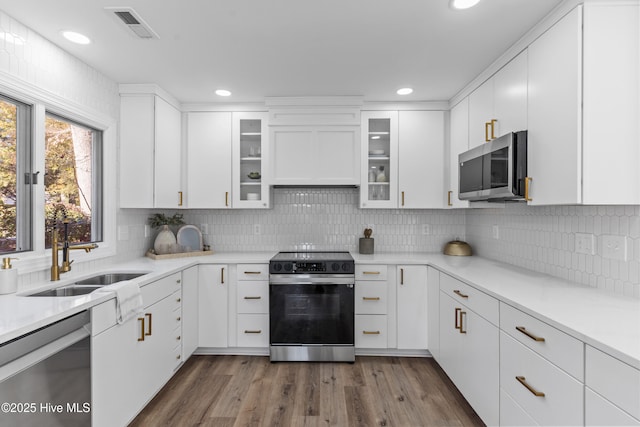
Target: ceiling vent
(133, 21)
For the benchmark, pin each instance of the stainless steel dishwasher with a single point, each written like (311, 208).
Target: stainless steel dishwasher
(45, 376)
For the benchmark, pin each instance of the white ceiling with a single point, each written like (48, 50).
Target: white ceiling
(258, 48)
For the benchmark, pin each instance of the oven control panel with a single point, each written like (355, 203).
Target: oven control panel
(301, 267)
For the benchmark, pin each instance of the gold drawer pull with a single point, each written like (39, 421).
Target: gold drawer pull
(178, 357)
(178, 319)
(142, 334)
(527, 185)
(522, 380)
(371, 298)
(179, 300)
(371, 332)
(252, 297)
(449, 198)
(178, 338)
(460, 294)
(150, 317)
(457, 318)
(370, 272)
(259, 331)
(252, 272)
(529, 334)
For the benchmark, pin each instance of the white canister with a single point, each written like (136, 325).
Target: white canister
(8, 277)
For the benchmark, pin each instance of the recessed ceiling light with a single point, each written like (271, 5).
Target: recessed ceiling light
(463, 4)
(404, 91)
(223, 92)
(74, 37)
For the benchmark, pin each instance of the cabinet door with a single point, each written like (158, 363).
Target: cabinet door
(433, 311)
(412, 307)
(554, 113)
(213, 281)
(250, 166)
(167, 161)
(459, 143)
(189, 312)
(510, 96)
(481, 113)
(209, 160)
(421, 159)
(136, 151)
(379, 167)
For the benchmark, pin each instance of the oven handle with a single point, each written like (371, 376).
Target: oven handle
(312, 279)
(313, 283)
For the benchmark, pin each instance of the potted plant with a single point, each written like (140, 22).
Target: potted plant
(165, 241)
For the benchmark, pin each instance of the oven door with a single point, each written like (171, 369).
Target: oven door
(311, 312)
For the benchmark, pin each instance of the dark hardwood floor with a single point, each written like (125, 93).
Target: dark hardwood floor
(236, 391)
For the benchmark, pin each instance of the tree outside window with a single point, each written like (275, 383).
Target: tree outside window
(8, 174)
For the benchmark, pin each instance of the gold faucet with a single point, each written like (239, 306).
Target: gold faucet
(56, 269)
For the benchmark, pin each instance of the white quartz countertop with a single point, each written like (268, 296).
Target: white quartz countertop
(601, 319)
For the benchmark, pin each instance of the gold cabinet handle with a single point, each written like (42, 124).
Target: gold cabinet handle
(179, 318)
(493, 128)
(252, 297)
(222, 276)
(402, 276)
(178, 281)
(460, 294)
(457, 320)
(523, 381)
(486, 131)
(527, 185)
(370, 272)
(179, 300)
(403, 198)
(141, 337)
(179, 198)
(178, 357)
(259, 331)
(226, 198)
(462, 313)
(371, 332)
(523, 330)
(252, 272)
(449, 198)
(149, 316)
(178, 338)
(371, 298)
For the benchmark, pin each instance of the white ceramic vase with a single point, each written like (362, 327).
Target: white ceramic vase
(165, 242)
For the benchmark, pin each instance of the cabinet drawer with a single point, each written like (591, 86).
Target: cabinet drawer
(253, 330)
(512, 414)
(176, 318)
(371, 272)
(483, 304)
(599, 411)
(520, 368)
(614, 380)
(554, 345)
(371, 297)
(371, 331)
(253, 272)
(253, 297)
(155, 291)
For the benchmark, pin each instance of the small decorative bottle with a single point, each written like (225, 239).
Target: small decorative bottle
(8, 277)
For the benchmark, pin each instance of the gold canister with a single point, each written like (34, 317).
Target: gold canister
(457, 248)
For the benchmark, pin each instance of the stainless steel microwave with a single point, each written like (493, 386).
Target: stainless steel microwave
(495, 171)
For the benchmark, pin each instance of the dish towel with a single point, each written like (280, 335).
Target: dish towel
(128, 299)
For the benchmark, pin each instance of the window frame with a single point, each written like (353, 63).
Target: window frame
(38, 259)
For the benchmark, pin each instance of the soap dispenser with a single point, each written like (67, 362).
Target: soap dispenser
(8, 277)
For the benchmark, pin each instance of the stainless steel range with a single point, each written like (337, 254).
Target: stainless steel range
(311, 306)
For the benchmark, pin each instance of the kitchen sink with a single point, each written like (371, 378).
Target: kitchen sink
(88, 285)
(108, 278)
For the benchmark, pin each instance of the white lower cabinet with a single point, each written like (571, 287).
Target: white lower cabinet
(433, 311)
(132, 361)
(252, 305)
(372, 307)
(371, 331)
(213, 305)
(189, 313)
(253, 330)
(412, 307)
(600, 412)
(469, 345)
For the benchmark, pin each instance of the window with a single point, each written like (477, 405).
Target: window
(15, 176)
(73, 180)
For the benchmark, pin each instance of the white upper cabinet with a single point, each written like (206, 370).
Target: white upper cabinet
(379, 168)
(208, 160)
(499, 105)
(583, 137)
(402, 159)
(250, 160)
(421, 159)
(458, 143)
(150, 152)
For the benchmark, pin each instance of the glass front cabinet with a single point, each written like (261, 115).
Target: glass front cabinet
(379, 188)
(250, 146)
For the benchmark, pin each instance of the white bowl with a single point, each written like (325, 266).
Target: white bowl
(253, 196)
